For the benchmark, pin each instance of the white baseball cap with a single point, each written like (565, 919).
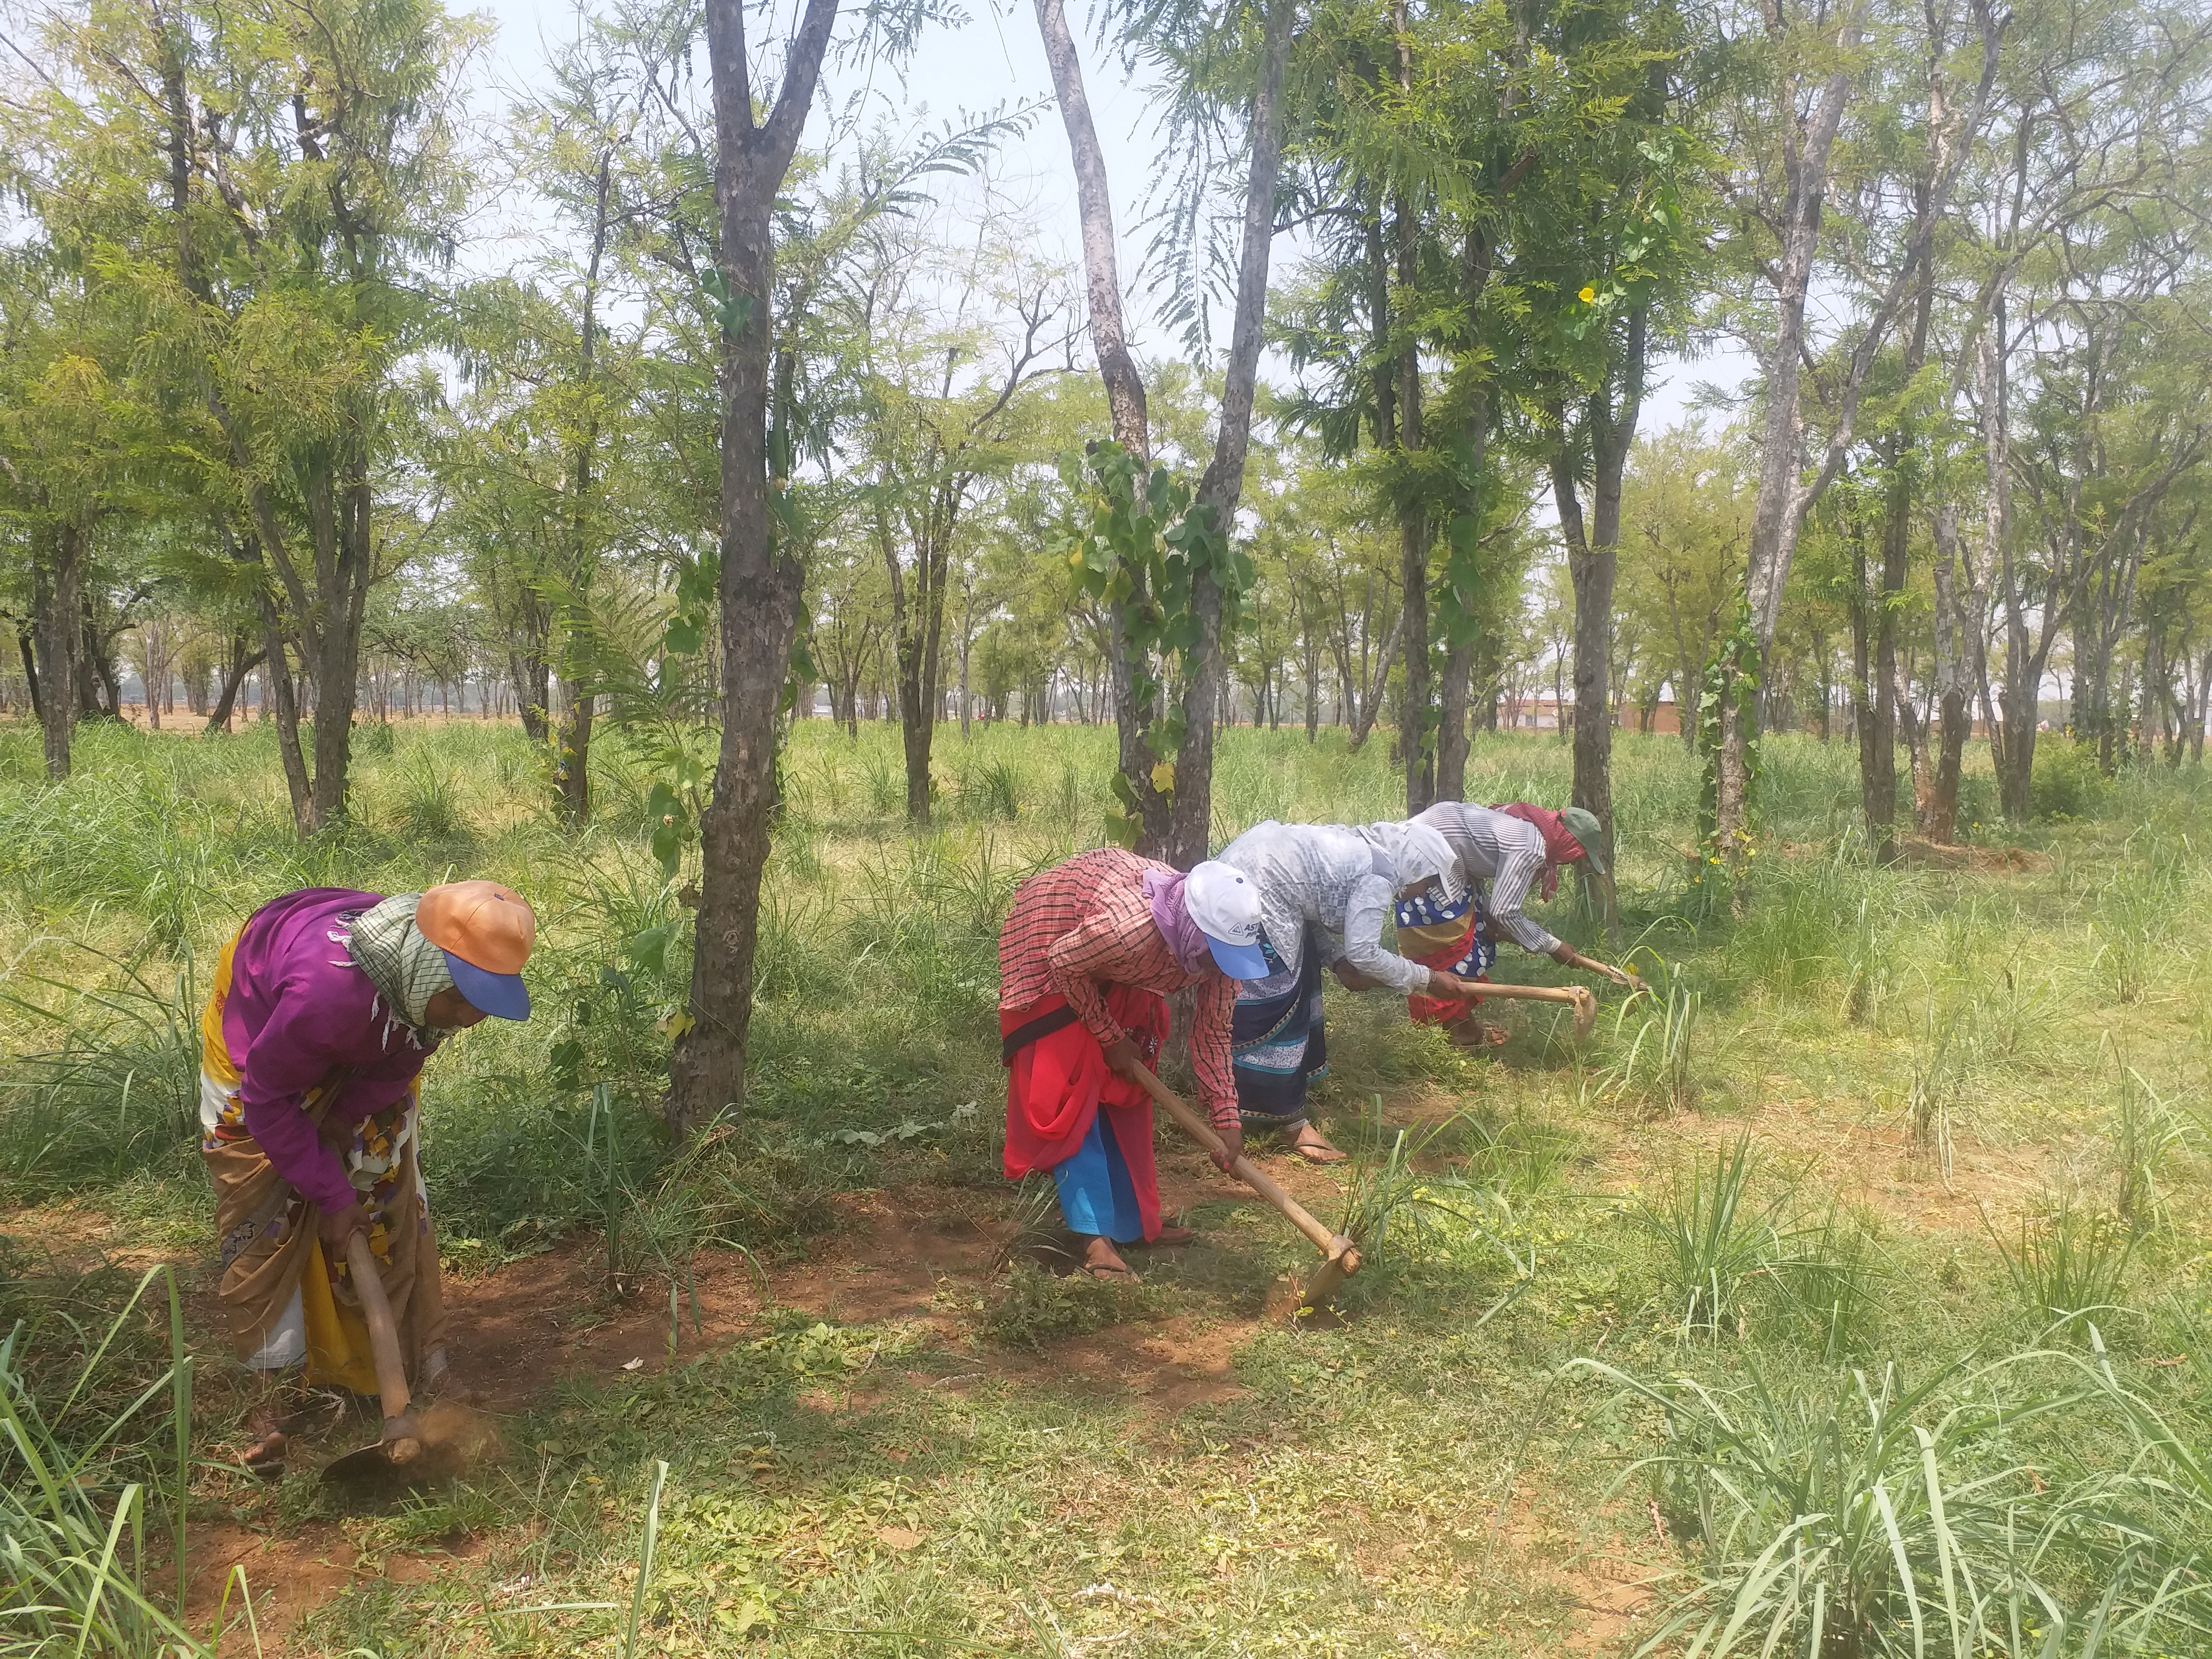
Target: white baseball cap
(1224, 903)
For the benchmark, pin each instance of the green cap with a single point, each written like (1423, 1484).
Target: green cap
(1583, 826)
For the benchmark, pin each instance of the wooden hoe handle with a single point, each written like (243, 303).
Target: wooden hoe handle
(1334, 1246)
(383, 1334)
(1576, 996)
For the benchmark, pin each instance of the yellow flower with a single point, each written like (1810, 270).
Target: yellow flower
(1588, 296)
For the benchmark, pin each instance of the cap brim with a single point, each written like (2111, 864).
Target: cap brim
(503, 996)
(1237, 961)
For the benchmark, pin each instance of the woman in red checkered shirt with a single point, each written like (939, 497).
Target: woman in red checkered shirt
(1087, 959)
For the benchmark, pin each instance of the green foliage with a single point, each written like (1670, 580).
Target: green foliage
(79, 1487)
(1874, 1517)
(1147, 547)
(2070, 1263)
(2067, 783)
(120, 1094)
(1660, 1067)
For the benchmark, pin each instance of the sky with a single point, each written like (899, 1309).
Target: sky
(997, 59)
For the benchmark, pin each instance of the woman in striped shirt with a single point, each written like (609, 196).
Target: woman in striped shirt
(1500, 853)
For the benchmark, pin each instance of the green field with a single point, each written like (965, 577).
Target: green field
(1858, 1274)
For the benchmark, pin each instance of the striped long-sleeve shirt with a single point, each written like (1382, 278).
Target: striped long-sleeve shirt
(1086, 924)
(1506, 855)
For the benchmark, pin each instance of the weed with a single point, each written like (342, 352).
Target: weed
(2145, 1134)
(73, 1512)
(1033, 1309)
(1874, 1518)
(1940, 1061)
(1711, 1236)
(1832, 1274)
(2070, 1262)
(997, 790)
(427, 808)
(120, 1095)
(1524, 1156)
(1660, 1067)
(886, 781)
(2134, 919)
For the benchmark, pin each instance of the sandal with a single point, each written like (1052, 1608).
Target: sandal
(1473, 1034)
(1107, 1273)
(1173, 1237)
(1317, 1150)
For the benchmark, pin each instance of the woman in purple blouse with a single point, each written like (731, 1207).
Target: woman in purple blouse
(324, 1010)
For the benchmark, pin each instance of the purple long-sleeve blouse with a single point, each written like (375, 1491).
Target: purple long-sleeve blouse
(298, 1010)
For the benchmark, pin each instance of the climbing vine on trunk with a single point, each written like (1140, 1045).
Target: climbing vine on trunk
(1148, 543)
(1729, 696)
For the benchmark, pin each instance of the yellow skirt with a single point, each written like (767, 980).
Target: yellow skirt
(285, 1302)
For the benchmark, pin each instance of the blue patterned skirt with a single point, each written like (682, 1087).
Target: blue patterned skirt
(1277, 1042)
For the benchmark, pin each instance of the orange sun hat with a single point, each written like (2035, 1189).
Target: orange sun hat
(487, 931)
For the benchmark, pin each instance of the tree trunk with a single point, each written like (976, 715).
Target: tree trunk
(57, 605)
(760, 586)
(1191, 818)
(532, 681)
(1878, 722)
(241, 662)
(1957, 622)
(1593, 565)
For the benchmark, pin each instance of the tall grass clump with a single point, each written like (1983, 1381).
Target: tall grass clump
(82, 1480)
(2134, 912)
(1710, 1236)
(1871, 1518)
(2067, 1263)
(1832, 1275)
(2147, 1133)
(119, 1094)
(1660, 1067)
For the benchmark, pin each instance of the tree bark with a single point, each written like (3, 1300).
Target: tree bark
(1593, 567)
(57, 607)
(760, 585)
(1190, 825)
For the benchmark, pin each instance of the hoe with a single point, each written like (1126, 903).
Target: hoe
(1340, 1256)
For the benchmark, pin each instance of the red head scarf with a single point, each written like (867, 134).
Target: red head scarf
(1560, 846)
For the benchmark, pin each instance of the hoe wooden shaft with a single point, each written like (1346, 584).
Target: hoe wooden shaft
(1338, 1249)
(383, 1334)
(1575, 996)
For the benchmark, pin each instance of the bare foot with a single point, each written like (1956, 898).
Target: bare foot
(1103, 1262)
(1311, 1144)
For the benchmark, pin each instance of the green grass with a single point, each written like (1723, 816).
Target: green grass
(1754, 1199)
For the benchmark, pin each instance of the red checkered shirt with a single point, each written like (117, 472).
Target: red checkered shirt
(1084, 924)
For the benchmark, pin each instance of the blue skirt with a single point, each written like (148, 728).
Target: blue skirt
(1097, 1197)
(1277, 1042)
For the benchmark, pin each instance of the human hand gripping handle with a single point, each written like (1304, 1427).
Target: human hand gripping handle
(337, 1227)
(1334, 1246)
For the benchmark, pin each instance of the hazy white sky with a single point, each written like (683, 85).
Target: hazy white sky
(996, 59)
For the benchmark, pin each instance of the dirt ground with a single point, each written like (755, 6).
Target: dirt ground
(891, 1255)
